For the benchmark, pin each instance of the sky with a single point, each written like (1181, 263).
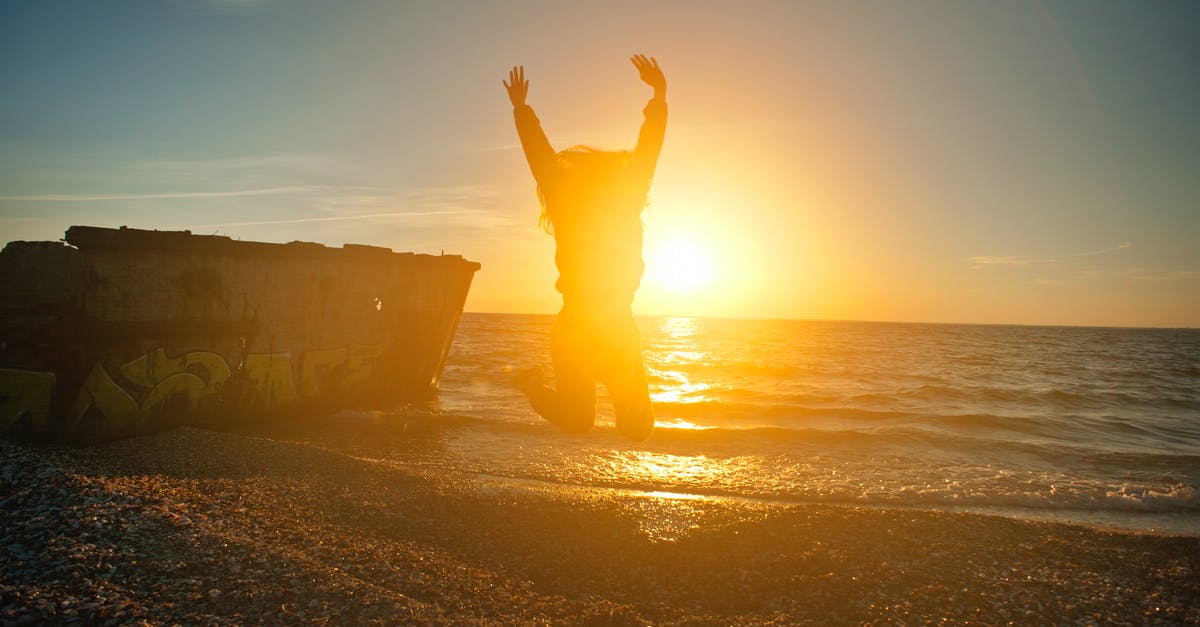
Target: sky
(978, 162)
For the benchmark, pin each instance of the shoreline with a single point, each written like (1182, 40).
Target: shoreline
(1007, 513)
(191, 525)
(345, 435)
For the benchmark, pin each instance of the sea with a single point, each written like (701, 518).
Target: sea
(1095, 426)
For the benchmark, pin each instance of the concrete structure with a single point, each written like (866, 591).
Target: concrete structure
(121, 331)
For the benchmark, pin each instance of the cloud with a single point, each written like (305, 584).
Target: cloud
(1009, 260)
(1161, 274)
(359, 216)
(463, 206)
(625, 138)
(245, 171)
(266, 191)
(1021, 260)
(39, 173)
(1105, 251)
(291, 161)
(353, 199)
(329, 198)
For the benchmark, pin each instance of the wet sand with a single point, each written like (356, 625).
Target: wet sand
(199, 526)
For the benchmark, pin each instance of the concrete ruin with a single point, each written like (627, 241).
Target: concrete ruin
(124, 331)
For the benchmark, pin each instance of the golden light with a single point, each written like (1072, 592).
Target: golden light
(680, 266)
(673, 351)
(701, 259)
(685, 425)
(686, 469)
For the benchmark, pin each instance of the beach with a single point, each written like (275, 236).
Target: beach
(445, 313)
(191, 525)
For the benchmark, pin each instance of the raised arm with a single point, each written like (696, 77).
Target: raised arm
(538, 151)
(654, 128)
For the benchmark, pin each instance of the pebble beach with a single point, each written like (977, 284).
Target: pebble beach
(194, 526)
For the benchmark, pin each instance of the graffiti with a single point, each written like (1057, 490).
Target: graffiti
(195, 377)
(200, 380)
(318, 367)
(153, 368)
(360, 363)
(189, 381)
(270, 381)
(339, 369)
(111, 400)
(25, 394)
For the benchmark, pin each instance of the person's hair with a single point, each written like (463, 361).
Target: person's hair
(582, 170)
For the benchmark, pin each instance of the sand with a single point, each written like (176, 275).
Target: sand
(191, 526)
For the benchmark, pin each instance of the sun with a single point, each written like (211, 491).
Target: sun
(680, 266)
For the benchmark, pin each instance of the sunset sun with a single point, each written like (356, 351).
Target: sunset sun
(680, 266)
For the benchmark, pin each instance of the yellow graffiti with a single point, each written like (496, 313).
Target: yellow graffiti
(318, 368)
(151, 369)
(198, 379)
(338, 368)
(25, 392)
(179, 385)
(196, 376)
(271, 380)
(110, 399)
(360, 364)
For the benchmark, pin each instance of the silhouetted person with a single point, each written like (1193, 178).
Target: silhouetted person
(592, 202)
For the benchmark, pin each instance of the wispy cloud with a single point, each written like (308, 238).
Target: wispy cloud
(462, 206)
(1161, 274)
(33, 174)
(286, 161)
(266, 191)
(1105, 251)
(356, 199)
(360, 216)
(612, 138)
(1008, 260)
(1022, 260)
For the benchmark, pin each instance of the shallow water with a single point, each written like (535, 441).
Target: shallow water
(1091, 425)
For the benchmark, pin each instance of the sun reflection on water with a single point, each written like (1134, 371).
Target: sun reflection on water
(652, 468)
(678, 328)
(679, 423)
(667, 513)
(676, 496)
(682, 391)
(680, 357)
(671, 358)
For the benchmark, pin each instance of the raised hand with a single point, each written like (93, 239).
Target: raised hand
(650, 73)
(516, 85)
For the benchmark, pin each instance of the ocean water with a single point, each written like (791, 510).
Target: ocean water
(1090, 425)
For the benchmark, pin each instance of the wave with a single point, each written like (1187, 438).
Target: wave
(1089, 439)
(897, 466)
(1177, 498)
(894, 414)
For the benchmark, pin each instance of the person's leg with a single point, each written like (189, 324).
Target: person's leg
(571, 405)
(625, 378)
(631, 404)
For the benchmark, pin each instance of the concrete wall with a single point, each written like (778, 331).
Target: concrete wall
(127, 331)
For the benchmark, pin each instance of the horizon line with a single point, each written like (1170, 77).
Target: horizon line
(870, 321)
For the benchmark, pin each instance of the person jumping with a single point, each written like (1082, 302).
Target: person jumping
(592, 203)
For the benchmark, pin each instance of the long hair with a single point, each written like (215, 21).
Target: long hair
(583, 171)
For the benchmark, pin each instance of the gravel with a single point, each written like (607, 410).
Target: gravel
(193, 526)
